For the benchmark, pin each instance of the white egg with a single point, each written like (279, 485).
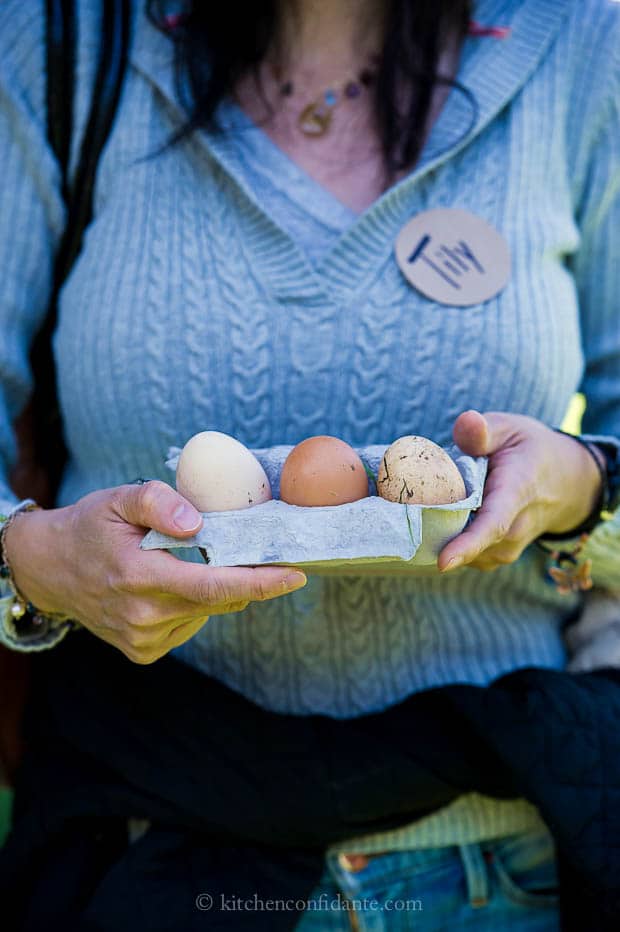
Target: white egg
(215, 472)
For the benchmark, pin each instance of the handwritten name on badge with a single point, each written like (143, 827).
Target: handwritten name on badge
(453, 257)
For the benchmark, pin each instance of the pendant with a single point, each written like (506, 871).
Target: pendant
(315, 119)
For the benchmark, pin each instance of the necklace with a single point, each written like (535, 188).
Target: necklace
(315, 118)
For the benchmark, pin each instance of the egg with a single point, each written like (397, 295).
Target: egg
(215, 472)
(323, 471)
(415, 471)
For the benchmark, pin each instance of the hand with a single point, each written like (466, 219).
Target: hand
(538, 481)
(85, 561)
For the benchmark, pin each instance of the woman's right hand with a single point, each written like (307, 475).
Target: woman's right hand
(84, 561)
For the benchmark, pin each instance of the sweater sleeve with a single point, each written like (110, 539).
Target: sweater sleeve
(32, 220)
(596, 270)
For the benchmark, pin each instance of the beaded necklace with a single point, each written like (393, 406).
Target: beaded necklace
(316, 117)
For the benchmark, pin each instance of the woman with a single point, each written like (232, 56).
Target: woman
(244, 279)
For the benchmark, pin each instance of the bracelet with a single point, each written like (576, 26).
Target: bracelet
(602, 503)
(566, 572)
(21, 609)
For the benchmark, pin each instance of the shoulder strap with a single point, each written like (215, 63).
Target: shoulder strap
(49, 446)
(60, 67)
(113, 51)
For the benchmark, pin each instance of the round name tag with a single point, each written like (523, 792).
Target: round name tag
(453, 257)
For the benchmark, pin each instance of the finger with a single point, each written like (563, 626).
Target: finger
(149, 653)
(156, 505)
(158, 625)
(491, 525)
(483, 434)
(183, 633)
(229, 608)
(143, 638)
(516, 541)
(160, 638)
(494, 558)
(208, 585)
(518, 537)
(158, 572)
(511, 547)
(484, 566)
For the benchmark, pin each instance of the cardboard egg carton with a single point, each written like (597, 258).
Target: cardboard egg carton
(371, 536)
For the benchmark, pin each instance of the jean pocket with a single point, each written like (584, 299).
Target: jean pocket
(526, 869)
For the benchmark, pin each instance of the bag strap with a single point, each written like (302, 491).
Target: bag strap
(49, 444)
(111, 67)
(60, 68)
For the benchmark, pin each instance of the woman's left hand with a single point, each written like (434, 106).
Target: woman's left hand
(538, 481)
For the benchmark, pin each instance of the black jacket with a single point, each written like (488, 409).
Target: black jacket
(250, 798)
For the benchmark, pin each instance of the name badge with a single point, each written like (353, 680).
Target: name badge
(453, 257)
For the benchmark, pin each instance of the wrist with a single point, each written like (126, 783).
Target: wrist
(26, 549)
(582, 509)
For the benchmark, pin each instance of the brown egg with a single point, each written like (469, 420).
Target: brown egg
(322, 471)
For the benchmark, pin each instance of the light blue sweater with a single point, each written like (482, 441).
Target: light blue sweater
(202, 300)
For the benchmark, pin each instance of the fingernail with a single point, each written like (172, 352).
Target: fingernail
(294, 581)
(186, 518)
(453, 564)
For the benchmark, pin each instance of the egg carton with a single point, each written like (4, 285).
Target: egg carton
(368, 537)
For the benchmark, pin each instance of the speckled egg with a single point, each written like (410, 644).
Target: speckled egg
(416, 471)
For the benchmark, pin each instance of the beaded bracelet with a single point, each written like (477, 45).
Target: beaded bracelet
(20, 607)
(567, 571)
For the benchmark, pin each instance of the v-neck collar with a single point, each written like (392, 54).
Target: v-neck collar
(275, 164)
(493, 70)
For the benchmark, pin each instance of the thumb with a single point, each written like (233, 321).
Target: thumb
(482, 434)
(472, 434)
(157, 505)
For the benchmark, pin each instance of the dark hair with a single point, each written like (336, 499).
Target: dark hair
(218, 43)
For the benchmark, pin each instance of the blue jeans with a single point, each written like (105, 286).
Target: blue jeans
(505, 885)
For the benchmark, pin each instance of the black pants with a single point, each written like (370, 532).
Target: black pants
(242, 797)
(244, 801)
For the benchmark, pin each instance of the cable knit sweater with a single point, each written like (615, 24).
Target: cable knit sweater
(194, 306)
